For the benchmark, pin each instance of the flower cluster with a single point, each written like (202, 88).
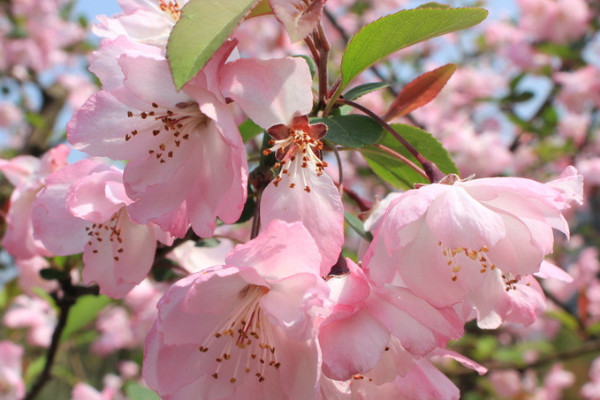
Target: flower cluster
(294, 310)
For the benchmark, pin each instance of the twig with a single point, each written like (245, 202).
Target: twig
(64, 303)
(433, 173)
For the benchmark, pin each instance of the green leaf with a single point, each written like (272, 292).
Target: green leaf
(202, 28)
(351, 130)
(394, 32)
(361, 90)
(263, 7)
(394, 171)
(311, 64)
(83, 312)
(249, 130)
(135, 391)
(34, 369)
(51, 274)
(358, 226)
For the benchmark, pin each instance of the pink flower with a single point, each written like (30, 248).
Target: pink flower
(373, 320)
(36, 315)
(12, 386)
(277, 95)
(186, 158)
(471, 240)
(300, 17)
(144, 21)
(29, 275)
(27, 174)
(244, 329)
(83, 209)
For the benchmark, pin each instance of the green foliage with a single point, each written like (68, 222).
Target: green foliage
(361, 90)
(83, 312)
(135, 391)
(358, 226)
(249, 130)
(397, 173)
(202, 28)
(351, 130)
(394, 32)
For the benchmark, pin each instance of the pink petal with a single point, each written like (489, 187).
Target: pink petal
(319, 208)
(299, 17)
(458, 220)
(360, 332)
(269, 91)
(281, 250)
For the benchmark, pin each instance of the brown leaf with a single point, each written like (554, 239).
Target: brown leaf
(420, 91)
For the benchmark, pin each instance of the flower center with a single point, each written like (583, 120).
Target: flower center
(175, 127)
(170, 8)
(245, 342)
(477, 256)
(108, 231)
(295, 153)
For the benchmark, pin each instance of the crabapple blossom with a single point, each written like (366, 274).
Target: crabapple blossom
(27, 174)
(144, 21)
(369, 318)
(480, 237)
(12, 386)
(300, 17)
(301, 191)
(83, 209)
(36, 315)
(178, 144)
(243, 329)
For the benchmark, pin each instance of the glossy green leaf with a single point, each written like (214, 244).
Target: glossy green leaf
(397, 173)
(361, 90)
(249, 130)
(394, 32)
(358, 226)
(202, 28)
(351, 130)
(135, 391)
(83, 312)
(263, 7)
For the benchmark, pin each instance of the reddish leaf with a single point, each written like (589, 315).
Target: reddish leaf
(420, 91)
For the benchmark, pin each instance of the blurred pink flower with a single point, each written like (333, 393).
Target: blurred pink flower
(12, 386)
(34, 314)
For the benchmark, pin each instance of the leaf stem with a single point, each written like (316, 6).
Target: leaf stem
(431, 170)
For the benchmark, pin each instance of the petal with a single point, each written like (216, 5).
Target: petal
(269, 91)
(352, 343)
(314, 200)
(299, 17)
(280, 251)
(458, 220)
